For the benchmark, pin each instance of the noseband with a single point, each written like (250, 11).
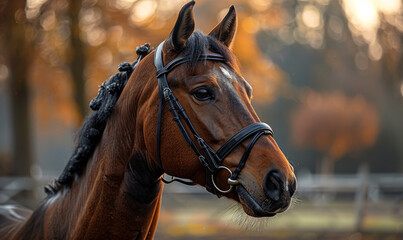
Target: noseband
(210, 159)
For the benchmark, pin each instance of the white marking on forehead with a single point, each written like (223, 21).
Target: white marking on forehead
(226, 73)
(225, 78)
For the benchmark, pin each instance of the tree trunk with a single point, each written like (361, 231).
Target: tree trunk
(18, 54)
(77, 59)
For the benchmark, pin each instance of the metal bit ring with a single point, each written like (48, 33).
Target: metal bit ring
(230, 185)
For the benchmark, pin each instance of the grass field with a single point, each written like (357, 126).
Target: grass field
(202, 216)
(185, 216)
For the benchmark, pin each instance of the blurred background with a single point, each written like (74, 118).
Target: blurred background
(327, 76)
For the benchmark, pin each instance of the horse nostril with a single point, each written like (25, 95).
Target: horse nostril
(273, 184)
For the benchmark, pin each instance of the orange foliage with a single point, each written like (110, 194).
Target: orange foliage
(52, 95)
(263, 75)
(111, 30)
(334, 123)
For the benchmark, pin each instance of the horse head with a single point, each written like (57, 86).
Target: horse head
(216, 139)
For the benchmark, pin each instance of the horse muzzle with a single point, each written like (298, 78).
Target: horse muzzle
(277, 195)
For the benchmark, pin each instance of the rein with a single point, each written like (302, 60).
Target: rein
(210, 159)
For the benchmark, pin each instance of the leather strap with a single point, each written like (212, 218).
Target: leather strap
(245, 156)
(241, 136)
(209, 158)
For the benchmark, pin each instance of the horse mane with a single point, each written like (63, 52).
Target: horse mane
(198, 45)
(92, 129)
(103, 105)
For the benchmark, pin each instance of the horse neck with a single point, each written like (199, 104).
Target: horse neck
(119, 193)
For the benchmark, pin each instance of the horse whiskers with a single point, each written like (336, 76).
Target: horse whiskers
(239, 218)
(294, 201)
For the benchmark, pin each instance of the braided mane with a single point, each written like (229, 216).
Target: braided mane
(103, 105)
(92, 129)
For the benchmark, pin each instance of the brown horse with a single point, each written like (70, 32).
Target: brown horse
(112, 185)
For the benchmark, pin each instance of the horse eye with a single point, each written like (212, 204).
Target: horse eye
(202, 94)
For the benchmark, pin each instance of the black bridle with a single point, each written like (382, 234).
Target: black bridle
(209, 158)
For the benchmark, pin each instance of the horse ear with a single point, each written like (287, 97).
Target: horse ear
(183, 28)
(225, 30)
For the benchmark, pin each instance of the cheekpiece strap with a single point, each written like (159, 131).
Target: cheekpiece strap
(209, 158)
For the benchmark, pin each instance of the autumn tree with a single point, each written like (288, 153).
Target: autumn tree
(58, 52)
(357, 49)
(84, 41)
(16, 49)
(25, 37)
(335, 125)
(77, 58)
